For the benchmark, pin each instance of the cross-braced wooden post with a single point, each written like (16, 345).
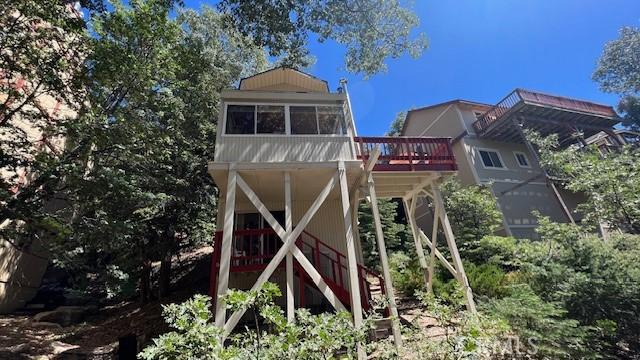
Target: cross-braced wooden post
(453, 248)
(227, 238)
(384, 261)
(410, 210)
(354, 279)
(288, 221)
(289, 245)
(440, 219)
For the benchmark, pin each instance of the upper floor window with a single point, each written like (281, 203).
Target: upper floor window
(241, 119)
(522, 159)
(491, 159)
(285, 119)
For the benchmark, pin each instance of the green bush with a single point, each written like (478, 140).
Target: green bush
(487, 280)
(310, 337)
(541, 326)
(406, 273)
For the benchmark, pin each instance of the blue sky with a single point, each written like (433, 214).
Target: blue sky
(482, 49)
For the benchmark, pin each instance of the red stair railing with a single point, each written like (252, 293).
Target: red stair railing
(253, 250)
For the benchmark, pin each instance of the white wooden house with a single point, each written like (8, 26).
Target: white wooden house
(291, 172)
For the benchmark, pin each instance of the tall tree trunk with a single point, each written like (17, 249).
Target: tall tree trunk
(164, 285)
(145, 282)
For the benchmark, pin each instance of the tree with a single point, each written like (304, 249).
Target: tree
(610, 183)
(618, 71)
(41, 48)
(395, 129)
(371, 30)
(148, 130)
(473, 212)
(392, 229)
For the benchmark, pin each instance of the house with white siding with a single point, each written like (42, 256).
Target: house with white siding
(292, 171)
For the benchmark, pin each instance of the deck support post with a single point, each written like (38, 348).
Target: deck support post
(453, 249)
(227, 239)
(432, 254)
(354, 285)
(384, 261)
(288, 220)
(289, 245)
(410, 210)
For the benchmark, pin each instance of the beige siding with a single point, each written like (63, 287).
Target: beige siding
(439, 121)
(512, 171)
(249, 148)
(285, 79)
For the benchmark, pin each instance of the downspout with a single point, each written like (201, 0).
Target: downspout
(352, 124)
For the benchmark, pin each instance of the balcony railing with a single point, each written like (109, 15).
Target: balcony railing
(497, 111)
(521, 96)
(408, 153)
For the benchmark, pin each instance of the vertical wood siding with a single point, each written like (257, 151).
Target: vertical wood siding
(257, 148)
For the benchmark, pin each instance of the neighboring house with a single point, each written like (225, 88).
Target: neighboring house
(607, 143)
(291, 168)
(490, 148)
(22, 267)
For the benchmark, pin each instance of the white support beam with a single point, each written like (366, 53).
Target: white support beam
(354, 284)
(289, 245)
(288, 221)
(453, 249)
(439, 255)
(432, 254)
(409, 210)
(373, 159)
(420, 187)
(384, 261)
(313, 273)
(227, 239)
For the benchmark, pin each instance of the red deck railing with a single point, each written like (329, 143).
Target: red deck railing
(253, 249)
(408, 153)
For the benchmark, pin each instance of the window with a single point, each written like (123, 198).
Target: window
(522, 159)
(491, 159)
(303, 120)
(270, 120)
(273, 119)
(331, 120)
(240, 119)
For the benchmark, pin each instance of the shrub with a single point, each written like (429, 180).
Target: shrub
(541, 326)
(310, 337)
(406, 273)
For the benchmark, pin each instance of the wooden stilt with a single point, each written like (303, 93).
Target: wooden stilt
(356, 305)
(384, 261)
(227, 238)
(288, 246)
(432, 254)
(453, 249)
(409, 210)
(288, 219)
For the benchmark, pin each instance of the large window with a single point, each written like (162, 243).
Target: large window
(303, 120)
(241, 119)
(270, 119)
(331, 120)
(491, 159)
(273, 119)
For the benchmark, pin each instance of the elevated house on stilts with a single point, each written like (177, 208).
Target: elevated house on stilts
(291, 172)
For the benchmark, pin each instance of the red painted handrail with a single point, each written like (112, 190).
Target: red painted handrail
(251, 254)
(408, 153)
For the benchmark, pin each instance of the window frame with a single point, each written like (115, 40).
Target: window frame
(526, 158)
(504, 166)
(287, 119)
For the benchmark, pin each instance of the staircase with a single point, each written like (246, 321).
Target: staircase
(253, 249)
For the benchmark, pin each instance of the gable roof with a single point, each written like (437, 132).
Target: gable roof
(480, 106)
(284, 76)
